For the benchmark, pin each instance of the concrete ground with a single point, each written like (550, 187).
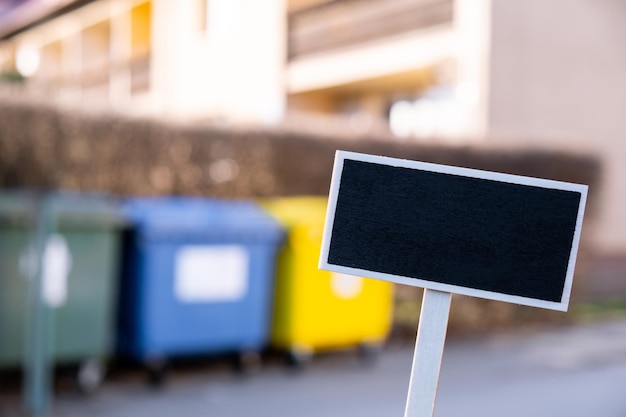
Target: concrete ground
(578, 371)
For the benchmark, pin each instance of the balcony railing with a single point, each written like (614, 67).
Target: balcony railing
(342, 23)
(98, 77)
(140, 74)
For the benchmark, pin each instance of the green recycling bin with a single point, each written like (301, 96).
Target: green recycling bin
(79, 269)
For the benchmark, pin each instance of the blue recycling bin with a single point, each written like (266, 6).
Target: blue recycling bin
(197, 278)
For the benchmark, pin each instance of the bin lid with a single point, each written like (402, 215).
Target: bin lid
(68, 208)
(193, 217)
(306, 211)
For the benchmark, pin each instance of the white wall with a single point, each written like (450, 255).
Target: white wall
(233, 70)
(558, 79)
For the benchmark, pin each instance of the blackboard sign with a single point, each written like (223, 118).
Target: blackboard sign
(478, 233)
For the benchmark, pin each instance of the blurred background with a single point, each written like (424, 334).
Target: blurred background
(119, 118)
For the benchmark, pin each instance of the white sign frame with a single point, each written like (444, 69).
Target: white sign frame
(341, 156)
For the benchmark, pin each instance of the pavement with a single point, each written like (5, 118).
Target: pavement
(575, 371)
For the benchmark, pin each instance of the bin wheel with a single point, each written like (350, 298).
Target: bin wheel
(157, 372)
(89, 376)
(369, 352)
(298, 358)
(248, 362)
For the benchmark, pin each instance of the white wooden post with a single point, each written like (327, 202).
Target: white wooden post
(431, 335)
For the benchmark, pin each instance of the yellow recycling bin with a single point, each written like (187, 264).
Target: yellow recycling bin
(317, 310)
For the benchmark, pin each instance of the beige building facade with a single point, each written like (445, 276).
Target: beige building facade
(220, 59)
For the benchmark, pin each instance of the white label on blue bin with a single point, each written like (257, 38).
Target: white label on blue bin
(211, 273)
(346, 286)
(57, 263)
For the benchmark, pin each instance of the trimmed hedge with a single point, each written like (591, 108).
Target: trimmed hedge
(43, 146)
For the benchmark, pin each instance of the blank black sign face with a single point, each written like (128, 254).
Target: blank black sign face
(476, 233)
